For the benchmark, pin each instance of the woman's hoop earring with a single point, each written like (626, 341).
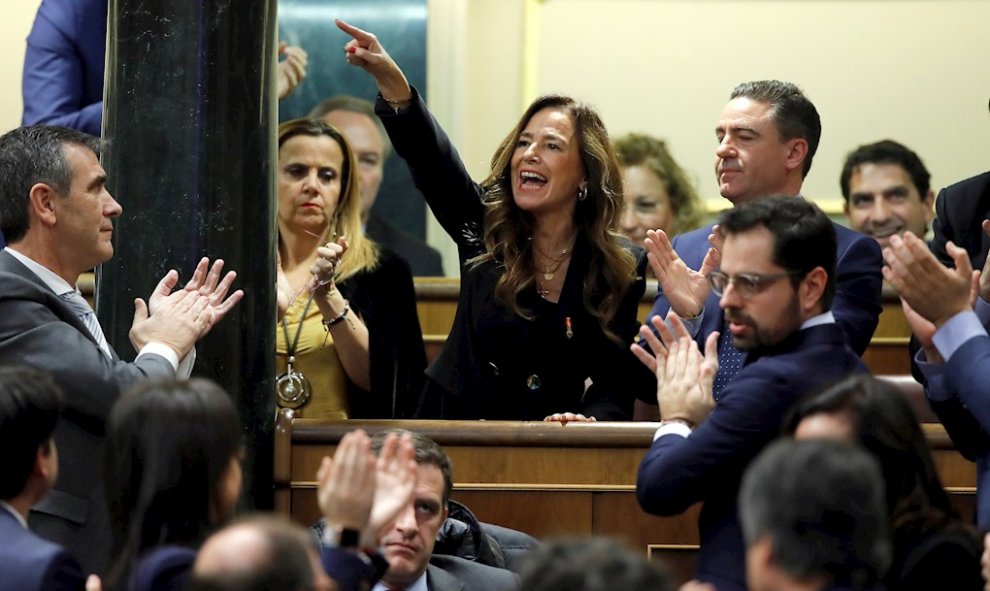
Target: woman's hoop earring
(582, 193)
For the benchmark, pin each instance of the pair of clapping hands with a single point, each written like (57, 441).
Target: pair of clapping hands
(358, 491)
(179, 318)
(932, 293)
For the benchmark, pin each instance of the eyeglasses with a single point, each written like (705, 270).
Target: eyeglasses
(747, 284)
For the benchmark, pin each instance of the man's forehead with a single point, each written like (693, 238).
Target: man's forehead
(751, 250)
(430, 480)
(892, 172)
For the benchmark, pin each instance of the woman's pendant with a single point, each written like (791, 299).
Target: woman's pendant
(292, 389)
(548, 275)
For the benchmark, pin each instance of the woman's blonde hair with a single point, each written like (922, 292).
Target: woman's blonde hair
(612, 269)
(636, 149)
(345, 220)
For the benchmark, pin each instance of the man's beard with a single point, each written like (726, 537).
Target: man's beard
(763, 336)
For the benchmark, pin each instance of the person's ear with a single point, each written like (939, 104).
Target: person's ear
(41, 203)
(797, 151)
(812, 289)
(928, 202)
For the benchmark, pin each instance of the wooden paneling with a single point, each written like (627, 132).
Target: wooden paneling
(546, 479)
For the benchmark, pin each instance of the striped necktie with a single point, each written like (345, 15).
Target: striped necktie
(79, 306)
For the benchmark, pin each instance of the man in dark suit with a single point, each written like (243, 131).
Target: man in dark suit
(30, 404)
(814, 518)
(767, 134)
(409, 540)
(776, 286)
(356, 119)
(57, 217)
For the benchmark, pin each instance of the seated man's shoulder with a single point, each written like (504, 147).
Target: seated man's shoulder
(444, 571)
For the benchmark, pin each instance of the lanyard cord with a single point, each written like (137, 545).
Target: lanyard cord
(290, 349)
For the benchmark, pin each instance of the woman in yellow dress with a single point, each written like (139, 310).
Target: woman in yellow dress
(345, 344)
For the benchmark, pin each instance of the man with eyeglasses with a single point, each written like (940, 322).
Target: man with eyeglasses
(775, 288)
(767, 135)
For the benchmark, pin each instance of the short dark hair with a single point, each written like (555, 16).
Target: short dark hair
(427, 452)
(595, 564)
(803, 236)
(286, 567)
(886, 426)
(30, 404)
(820, 504)
(886, 152)
(794, 115)
(32, 155)
(169, 445)
(353, 104)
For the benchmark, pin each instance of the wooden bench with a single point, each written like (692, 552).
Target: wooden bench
(545, 479)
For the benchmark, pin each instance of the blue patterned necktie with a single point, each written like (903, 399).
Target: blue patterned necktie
(730, 360)
(79, 305)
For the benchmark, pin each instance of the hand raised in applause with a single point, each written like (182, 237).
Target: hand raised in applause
(366, 52)
(935, 292)
(395, 482)
(291, 70)
(182, 318)
(685, 288)
(206, 281)
(684, 375)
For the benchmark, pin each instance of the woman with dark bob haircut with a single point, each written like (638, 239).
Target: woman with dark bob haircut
(933, 548)
(549, 290)
(173, 476)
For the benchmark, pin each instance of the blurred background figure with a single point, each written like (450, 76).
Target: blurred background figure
(885, 189)
(658, 194)
(933, 548)
(813, 518)
(594, 564)
(356, 119)
(347, 309)
(173, 476)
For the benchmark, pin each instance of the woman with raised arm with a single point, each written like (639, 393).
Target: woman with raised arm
(348, 337)
(549, 291)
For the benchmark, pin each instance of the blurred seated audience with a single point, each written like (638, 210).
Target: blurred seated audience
(813, 518)
(593, 564)
(30, 404)
(932, 547)
(348, 342)
(658, 194)
(355, 118)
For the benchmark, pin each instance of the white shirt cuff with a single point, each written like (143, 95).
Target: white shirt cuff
(672, 428)
(162, 350)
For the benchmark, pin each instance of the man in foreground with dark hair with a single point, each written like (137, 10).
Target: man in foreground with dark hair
(30, 404)
(57, 217)
(813, 516)
(767, 136)
(776, 285)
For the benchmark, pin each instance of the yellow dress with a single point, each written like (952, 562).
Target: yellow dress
(316, 358)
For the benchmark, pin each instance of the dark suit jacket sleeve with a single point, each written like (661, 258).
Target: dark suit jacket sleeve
(963, 428)
(34, 331)
(436, 168)
(386, 300)
(678, 472)
(959, 212)
(58, 86)
(859, 283)
(64, 574)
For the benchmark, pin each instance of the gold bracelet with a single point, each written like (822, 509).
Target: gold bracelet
(327, 323)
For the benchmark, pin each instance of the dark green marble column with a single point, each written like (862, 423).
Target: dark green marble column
(190, 117)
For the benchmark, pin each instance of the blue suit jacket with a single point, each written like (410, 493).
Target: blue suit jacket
(30, 563)
(708, 466)
(64, 63)
(967, 414)
(857, 300)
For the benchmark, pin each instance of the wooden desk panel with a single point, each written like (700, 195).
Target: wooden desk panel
(545, 479)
